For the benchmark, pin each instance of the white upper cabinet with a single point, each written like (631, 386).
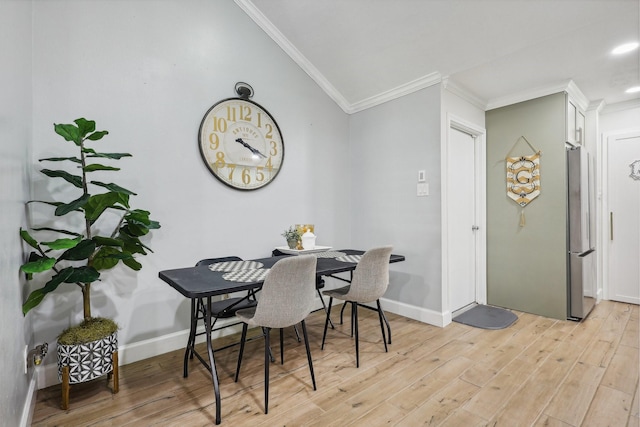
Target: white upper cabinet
(575, 123)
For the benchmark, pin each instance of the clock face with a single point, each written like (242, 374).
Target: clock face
(241, 144)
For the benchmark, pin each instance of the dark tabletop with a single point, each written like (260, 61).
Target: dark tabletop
(200, 281)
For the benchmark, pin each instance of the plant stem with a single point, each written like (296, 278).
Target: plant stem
(85, 189)
(86, 300)
(86, 288)
(115, 230)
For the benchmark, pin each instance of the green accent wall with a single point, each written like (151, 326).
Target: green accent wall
(526, 266)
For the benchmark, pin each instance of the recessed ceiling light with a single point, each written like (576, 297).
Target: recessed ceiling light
(624, 48)
(633, 89)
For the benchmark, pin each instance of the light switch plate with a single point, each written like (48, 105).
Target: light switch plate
(422, 176)
(422, 189)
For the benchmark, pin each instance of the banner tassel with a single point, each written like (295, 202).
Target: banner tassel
(522, 221)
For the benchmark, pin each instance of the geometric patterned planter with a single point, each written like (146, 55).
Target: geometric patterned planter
(85, 362)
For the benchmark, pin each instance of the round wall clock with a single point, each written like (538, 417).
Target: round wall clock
(241, 143)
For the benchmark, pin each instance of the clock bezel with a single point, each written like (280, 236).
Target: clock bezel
(204, 157)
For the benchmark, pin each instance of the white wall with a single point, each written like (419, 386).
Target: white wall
(620, 117)
(456, 105)
(17, 389)
(389, 143)
(148, 75)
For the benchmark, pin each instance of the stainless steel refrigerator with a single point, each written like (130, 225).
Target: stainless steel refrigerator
(581, 252)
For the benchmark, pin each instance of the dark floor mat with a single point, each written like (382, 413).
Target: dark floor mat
(486, 317)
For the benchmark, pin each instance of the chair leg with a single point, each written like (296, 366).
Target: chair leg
(243, 338)
(306, 344)
(271, 356)
(386, 321)
(282, 345)
(354, 307)
(353, 304)
(295, 329)
(342, 310)
(380, 315)
(326, 323)
(266, 370)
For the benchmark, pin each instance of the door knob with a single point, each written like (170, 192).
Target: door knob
(475, 227)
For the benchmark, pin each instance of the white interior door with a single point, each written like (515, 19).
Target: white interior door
(624, 217)
(462, 223)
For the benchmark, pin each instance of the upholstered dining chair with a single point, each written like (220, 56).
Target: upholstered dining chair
(222, 309)
(369, 282)
(286, 299)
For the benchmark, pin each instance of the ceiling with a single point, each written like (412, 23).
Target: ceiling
(365, 52)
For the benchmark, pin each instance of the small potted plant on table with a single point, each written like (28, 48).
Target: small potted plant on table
(78, 254)
(292, 235)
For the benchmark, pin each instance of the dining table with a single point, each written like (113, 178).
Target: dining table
(205, 282)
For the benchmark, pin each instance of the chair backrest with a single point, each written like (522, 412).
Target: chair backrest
(208, 261)
(371, 276)
(287, 293)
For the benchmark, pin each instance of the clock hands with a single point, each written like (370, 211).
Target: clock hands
(250, 148)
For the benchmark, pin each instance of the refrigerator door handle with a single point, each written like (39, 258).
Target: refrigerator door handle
(610, 225)
(588, 229)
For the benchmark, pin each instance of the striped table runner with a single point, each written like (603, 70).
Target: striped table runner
(350, 258)
(253, 275)
(235, 265)
(328, 254)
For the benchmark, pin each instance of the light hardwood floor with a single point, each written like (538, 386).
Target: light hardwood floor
(538, 372)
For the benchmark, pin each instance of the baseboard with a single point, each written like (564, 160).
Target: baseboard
(47, 375)
(29, 403)
(420, 314)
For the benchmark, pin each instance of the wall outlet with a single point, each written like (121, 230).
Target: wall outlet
(422, 190)
(24, 358)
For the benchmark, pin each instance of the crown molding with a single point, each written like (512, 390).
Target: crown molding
(452, 86)
(576, 94)
(258, 17)
(568, 86)
(621, 106)
(597, 106)
(397, 92)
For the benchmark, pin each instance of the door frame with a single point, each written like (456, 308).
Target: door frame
(602, 237)
(479, 135)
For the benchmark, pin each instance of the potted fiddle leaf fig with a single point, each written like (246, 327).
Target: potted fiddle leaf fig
(79, 252)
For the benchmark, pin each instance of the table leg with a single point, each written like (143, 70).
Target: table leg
(192, 338)
(212, 362)
(325, 308)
